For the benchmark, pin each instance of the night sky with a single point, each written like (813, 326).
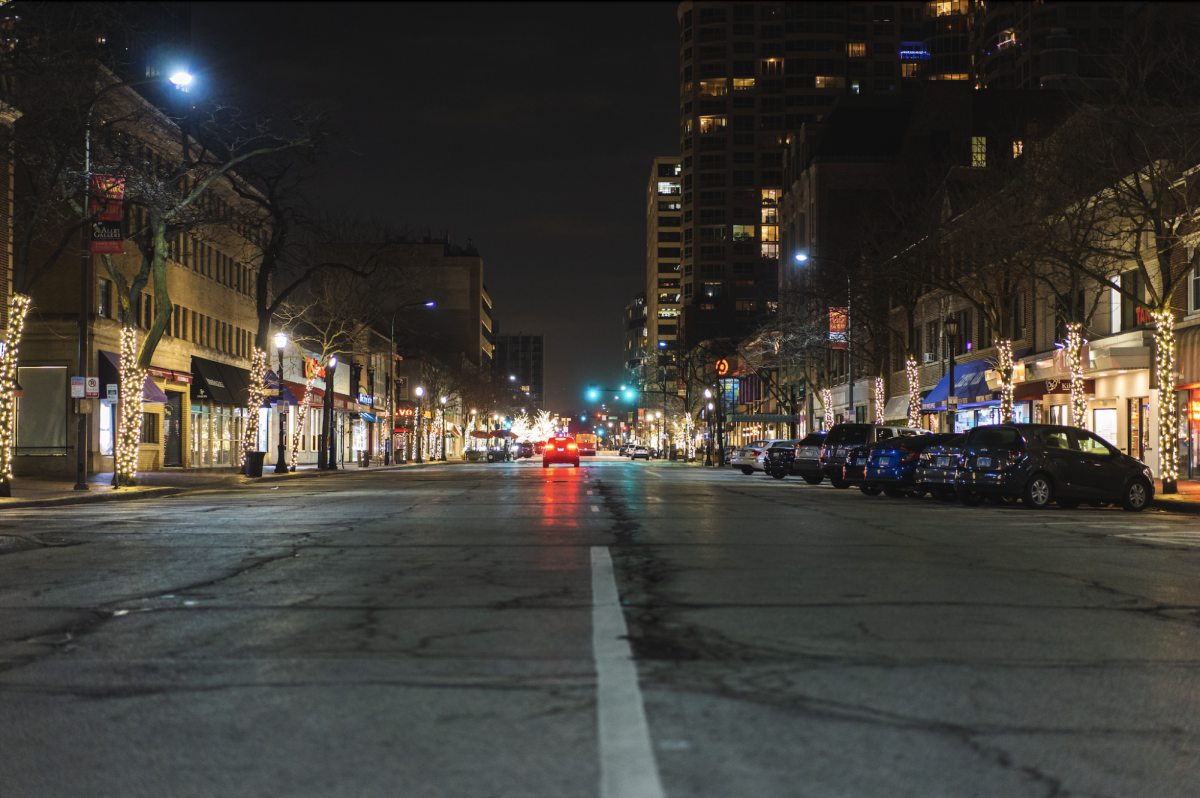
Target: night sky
(529, 129)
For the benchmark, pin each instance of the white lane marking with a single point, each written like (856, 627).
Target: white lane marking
(595, 509)
(627, 766)
(589, 493)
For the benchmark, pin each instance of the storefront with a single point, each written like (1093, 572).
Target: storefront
(1187, 397)
(220, 394)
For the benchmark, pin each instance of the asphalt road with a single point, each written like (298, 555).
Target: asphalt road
(460, 631)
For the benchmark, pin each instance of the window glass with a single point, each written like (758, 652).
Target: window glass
(1090, 444)
(884, 434)
(1056, 439)
(843, 435)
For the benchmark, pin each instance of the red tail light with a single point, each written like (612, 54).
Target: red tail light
(909, 455)
(572, 446)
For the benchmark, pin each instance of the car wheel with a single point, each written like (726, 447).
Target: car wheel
(814, 480)
(894, 493)
(839, 483)
(870, 490)
(971, 498)
(777, 474)
(1136, 496)
(1039, 492)
(747, 471)
(1067, 504)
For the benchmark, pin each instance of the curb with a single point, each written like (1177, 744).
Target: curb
(94, 498)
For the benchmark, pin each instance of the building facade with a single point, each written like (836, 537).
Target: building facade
(519, 365)
(664, 237)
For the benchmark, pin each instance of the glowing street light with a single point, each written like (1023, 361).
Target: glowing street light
(181, 78)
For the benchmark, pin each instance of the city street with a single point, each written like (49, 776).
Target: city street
(453, 631)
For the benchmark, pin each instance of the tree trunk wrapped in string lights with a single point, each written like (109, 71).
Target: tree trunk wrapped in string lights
(1168, 438)
(258, 395)
(880, 400)
(1004, 365)
(1074, 350)
(302, 416)
(914, 391)
(827, 401)
(129, 432)
(18, 308)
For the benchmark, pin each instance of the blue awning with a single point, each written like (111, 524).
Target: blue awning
(970, 384)
(369, 417)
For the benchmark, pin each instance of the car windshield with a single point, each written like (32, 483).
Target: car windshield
(994, 436)
(847, 435)
(815, 439)
(758, 444)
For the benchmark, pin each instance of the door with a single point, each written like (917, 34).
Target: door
(173, 430)
(1139, 427)
(1100, 475)
(1062, 460)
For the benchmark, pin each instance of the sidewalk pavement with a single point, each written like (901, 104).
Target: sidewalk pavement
(57, 490)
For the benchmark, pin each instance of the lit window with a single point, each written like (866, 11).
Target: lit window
(712, 124)
(770, 196)
(910, 70)
(714, 88)
(743, 232)
(857, 49)
(978, 151)
(743, 84)
(1018, 148)
(667, 189)
(830, 82)
(770, 216)
(770, 233)
(712, 289)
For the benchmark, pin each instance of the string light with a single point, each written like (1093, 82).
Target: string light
(18, 308)
(879, 400)
(258, 396)
(1004, 357)
(1168, 441)
(129, 434)
(302, 412)
(914, 391)
(1074, 350)
(827, 401)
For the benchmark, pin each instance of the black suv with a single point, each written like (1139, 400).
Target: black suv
(1041, 463)
(782, 454)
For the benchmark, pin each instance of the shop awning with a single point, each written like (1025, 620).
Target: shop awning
(110, 374)
(896, 407)
(368, 417)
(1187, 357)
(970, 384)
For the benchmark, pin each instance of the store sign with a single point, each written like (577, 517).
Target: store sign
(363, 399)
(722, 367)
(839, 323)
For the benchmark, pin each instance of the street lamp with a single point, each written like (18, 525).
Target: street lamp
(281, 467)
(391, 425)
(420, 421)
(444, 400)
(950, 325)
(802, 257)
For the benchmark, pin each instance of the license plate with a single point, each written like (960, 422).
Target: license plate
(841, 452)
(943, 462)
(775, 455)
(861, 461)
(883, 461)
(983, 462)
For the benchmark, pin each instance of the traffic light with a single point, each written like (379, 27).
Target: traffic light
(592, 394)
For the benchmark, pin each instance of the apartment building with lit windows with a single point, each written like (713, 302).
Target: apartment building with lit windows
(664, 207)
(635, 333)
(751, 74)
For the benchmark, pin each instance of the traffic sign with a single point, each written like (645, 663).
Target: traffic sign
(91, 388)
(113, 391)
(77, 388)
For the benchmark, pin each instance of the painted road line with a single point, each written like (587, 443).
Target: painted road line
(627, 766)
(595, 509)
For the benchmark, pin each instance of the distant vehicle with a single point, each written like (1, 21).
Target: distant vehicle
(524, 449)
(751, 457)
(587, 444)
(781, 457)
(561, 450)
(893, 464)
(539, 447)
(806, 462)
(843, 437)
(640, 451)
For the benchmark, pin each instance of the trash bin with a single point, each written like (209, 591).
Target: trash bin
(254, 463)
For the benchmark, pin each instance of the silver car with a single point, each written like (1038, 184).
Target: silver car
(751, 457)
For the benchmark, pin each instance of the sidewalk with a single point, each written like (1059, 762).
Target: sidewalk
(1187, 500)
(57, 490)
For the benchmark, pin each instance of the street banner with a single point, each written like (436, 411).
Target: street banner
(838, 326)
(108, 193)
(107, 239)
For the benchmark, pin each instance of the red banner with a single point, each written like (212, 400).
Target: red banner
(838, 326)
(312, 368)
(107, 195)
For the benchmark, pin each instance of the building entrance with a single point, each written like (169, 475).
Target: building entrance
(173, 430)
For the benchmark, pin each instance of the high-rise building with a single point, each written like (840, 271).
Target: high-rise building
(635, 333)
(519, 363)
(750, 75)
(664, 206)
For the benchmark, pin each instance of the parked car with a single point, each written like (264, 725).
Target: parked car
(781, 457)
(777, 460)
(843, 437)
(892, 464)
(524, 449)
(806, 461)
(1041, 463)
(539, 447)
(750, 458)
(938, 466)
(639, 451)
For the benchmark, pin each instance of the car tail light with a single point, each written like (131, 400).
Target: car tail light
(1013, 458)
(756, 452)
(572, 446)
(909, 455)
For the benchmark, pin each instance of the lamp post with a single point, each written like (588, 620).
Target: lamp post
(708, 443)
(330, 426)
(420, 392)
(950, 325)
(803, 257)
(281, 467)
(444, 400)
(391, 427)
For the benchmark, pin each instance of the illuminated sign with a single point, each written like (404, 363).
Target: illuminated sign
(363, 399)
(839, 319)
(722, 367)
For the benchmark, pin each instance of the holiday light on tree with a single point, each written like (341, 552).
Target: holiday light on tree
(1074, 350)
(129, 433)
(302, 412)
(1004, 365)
(879, 400)
(1168, 440)
(258, 397)
(18, 308)
(543, 426)
(914, 391)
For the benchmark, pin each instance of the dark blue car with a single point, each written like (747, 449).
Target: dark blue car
(892, 464)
